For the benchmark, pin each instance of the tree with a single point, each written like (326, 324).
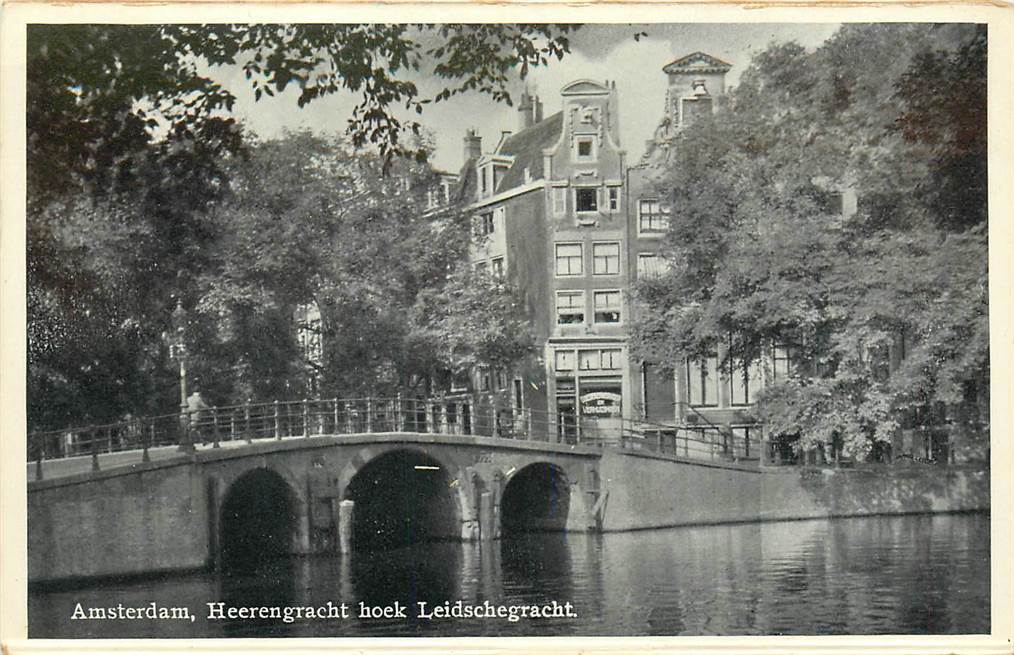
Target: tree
(762, 252)
(130, 156)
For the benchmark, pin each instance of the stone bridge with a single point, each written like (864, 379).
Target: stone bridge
(234, 504)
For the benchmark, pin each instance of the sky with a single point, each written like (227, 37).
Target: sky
(599, 52)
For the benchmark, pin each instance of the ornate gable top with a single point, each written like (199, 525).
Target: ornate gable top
(697, 62)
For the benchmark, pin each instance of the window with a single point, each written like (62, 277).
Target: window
(586, 199)
(483, 173)
(702, 378)
(486, 224)
(480, 268)
(559, 200)
(496, 267)
(590, 360)
(569, 307)
(585, 148)
(614, 199)
(484, 379)
(782, 360)
(652, 218)
(745, 381)
(564, 360)
(605, 258)
(607, 306)
(569, 259)
(649, 265)
(611, 359)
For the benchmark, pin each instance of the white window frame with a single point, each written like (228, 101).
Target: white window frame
(497, 268)
(662, 212)
(587, 138)
(613, 198)
(607, 258)
(707, 380)
(558, 200)
(593, 189)
(646, 272)
(579, 258)
(571, 309)
(595, 306)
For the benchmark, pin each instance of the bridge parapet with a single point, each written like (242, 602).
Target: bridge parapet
(135, 439)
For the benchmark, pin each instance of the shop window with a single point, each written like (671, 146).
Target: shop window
(564, 360)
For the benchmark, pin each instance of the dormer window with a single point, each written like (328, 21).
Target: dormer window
(586, 148)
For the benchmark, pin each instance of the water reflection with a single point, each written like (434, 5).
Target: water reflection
(916, 574)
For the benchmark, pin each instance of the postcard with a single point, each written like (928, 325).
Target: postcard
(407, 327)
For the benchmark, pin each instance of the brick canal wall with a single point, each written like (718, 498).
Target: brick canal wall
(651, 491)
(147, 522)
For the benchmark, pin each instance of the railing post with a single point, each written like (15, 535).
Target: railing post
(278, 422)
(146, 442)
(369, 414)
(336, 430)
(232, 424)
(246, 421)
(658, 436)
(214, 427)
(348, 418)
(399, 418)
(95, 447)
(306, 417)
(40, 453)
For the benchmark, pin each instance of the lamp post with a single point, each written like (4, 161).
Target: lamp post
(178, 351)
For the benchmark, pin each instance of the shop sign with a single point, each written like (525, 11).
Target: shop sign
(601, 403)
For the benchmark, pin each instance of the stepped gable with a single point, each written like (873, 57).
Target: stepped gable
(697, 62)
(526, 148)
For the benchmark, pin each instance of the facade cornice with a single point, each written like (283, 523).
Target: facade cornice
(509, 193)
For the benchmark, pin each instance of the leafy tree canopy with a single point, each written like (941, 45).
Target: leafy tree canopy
(765, 247)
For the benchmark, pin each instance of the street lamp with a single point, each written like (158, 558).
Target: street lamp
(178, 351)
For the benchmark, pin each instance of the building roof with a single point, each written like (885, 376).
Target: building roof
(526, 148)
(697, 62)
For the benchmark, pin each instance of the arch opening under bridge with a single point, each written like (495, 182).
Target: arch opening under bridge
(258, 520)
(403, 497)
(536, 499)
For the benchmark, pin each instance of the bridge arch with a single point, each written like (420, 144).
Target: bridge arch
(259, 519)
(403, 496)
(535, 499)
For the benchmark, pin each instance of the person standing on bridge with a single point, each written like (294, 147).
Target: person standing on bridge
(196, 410)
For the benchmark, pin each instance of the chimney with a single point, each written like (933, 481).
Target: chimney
(538, 110)
(525, 108)
(473, 145)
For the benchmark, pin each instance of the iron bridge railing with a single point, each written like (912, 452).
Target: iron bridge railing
(215, 427)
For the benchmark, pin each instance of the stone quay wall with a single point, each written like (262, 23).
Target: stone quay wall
(653, 491)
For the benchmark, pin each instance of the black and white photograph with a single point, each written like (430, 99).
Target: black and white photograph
(504, 329)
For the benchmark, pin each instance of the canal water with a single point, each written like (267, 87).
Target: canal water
(880, 575)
